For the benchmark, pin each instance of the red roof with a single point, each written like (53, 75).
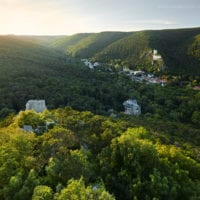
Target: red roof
(196, 87)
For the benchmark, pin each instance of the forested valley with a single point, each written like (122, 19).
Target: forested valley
(84, 146)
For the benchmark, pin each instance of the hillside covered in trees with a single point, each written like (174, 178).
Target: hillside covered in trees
(179, 48)
(91, 149)
(87, 156)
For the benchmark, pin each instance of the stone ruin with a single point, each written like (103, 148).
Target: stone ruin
(36, 105)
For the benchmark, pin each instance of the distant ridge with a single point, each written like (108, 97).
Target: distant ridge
(180, 48)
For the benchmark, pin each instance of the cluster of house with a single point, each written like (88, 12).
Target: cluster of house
(196, 87)
(142, 76)
(135, 75)
(89, 64)
(157, 80)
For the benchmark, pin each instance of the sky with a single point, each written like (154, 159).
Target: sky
(67, 17)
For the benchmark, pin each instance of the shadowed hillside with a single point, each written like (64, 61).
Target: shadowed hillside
(178, 48)
(29, 70)
(87, 45)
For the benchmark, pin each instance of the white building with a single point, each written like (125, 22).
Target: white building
(36, 105)
(131, 107)
(138, 73)
(155, 52)
(87, 63)
(96, 64)
(156, 56)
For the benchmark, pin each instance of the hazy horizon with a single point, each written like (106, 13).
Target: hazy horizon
(12, 34)
(67, 17)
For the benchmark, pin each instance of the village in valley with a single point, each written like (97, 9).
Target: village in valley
(135, 75)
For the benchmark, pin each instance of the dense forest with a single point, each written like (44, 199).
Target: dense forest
(87, 156)
(84, 146)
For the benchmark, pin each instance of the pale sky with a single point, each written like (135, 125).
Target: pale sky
(66, 17)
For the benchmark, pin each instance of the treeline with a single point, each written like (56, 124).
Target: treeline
(87, 156)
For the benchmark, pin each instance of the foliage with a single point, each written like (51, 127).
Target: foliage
(29, 117)
(131, 166)
(97, 156)
(76, 190)
(194, 48)
(42, 192)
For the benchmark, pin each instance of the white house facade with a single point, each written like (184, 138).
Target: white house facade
(156, 56)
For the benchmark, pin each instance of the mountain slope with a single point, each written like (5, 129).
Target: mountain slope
(32, 71)
(194, 47)
(133, 49)
(63, 43)
(87, 45)
(94, 43)
(173, 45)
(14, 49)
(24, 65)
(179, 48)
